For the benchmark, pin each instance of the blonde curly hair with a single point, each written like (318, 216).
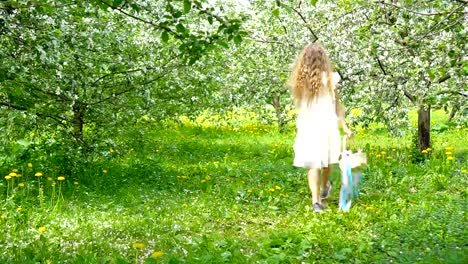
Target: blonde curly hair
(305, 80)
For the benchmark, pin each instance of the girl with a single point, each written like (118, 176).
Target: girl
(317, 143)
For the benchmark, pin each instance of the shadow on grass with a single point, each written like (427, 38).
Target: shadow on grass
(194, 160)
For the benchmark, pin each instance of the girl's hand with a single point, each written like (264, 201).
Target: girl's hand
(348, 132)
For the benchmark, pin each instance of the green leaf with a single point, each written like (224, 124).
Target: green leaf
(164, 36)
(192, 60)
(451, 53)
(135, 7)
(210, 20)
(177, 14)
(431, 73)
(117, 3)
(187, 6)
(237, 39)
(223, 44)
(102, 5)
(313, 2)
(180, 28)
(339, 256)
(24, 142)
(275, 12)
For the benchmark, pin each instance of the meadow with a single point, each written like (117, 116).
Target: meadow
(193, 192)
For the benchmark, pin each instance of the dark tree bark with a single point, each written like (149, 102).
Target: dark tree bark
(279, 116)
(79, 110)
(424, 127)
(454, 111)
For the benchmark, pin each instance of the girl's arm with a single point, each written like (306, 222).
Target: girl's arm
(341, 116)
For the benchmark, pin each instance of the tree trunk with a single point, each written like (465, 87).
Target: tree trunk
(424, 127)
(279, 116)
(78, 120)
(453, 113)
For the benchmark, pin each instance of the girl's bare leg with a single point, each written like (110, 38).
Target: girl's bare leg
(325, 176)
(313, 180)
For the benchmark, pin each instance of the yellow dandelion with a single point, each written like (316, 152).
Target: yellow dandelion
(12, 174)
(249, 190)
(378, 156)
(383, 152)
(389, 158)
(8, 177)
(21, 184)
(424, 151)
(448, 148)
(449, 158)
(50, 179)
(15, 170)
(19, 209)
(278, 187)
(157, 254)
(464, 171)
(271, 190)
(104, 171)
(38, 174)
(448, 153)
(30, 165)
(61, 178)
(138, 245)
(18, 175)
(394, 149)
(429, 149)
(76, 182)
(42, 229)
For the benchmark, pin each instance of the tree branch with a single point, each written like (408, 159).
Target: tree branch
(114, 73)
(406, 93)
(273, 42)
(409, 96)
(140, 19)
(444, 78)
(381, 65)
(305, 22)
(58, 119)
(415, 12)
(134, 87)
(16, 107)
(61, 96)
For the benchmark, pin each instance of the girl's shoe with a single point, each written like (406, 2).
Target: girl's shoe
(317, 207)
(326, 191)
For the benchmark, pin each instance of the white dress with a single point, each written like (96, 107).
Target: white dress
(317, 141)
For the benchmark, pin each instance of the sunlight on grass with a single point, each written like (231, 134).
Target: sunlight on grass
(197, 192)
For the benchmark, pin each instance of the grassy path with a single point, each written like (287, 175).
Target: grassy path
(190, 195)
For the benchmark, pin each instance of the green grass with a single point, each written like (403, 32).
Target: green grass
(206, 195)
